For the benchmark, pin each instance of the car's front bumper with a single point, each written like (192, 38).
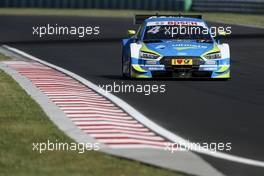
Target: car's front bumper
(210, 69)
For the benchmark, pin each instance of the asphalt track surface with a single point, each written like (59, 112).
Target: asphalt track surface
(198, 110)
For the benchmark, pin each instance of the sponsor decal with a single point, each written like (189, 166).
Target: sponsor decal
(189, 45)
(182, 53)
(176, 23)
(160, 47)
(211, 62)
(181, 62)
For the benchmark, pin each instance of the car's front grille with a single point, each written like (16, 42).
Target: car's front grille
(166, 60)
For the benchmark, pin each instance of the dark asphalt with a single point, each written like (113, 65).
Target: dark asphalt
(201, 111)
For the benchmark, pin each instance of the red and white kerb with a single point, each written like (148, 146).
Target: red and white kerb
(94, 114)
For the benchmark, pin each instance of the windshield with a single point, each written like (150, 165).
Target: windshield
(168, 32)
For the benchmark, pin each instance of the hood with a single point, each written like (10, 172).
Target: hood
(180, 48)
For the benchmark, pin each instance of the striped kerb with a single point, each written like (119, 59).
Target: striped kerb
(94, 114)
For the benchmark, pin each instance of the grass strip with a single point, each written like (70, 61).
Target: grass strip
(22, 122)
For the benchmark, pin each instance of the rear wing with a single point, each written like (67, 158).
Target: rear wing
(139, 19)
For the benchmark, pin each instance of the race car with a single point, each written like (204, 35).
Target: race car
(163, 47)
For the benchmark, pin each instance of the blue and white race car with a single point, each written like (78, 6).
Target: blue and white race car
(168, 46)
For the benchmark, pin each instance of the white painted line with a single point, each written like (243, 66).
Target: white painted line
(128, 146)
(87, 111)
(83, 102)
(72, 96)
(107, 131)
(142, 141)
(88, 98)
(103, 120)
(87, 106)
(108, 124)
(140, 117)
(51, 92)
(113, 127)
(95, 115)
(91, 108)
(117, 135)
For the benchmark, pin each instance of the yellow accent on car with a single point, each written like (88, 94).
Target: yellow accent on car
(131, 32)
(135, 75)
(223, 33)
(138, 68)
(226, 75)
(214, 50)
(185, 48)
(223, 68)
(144, 48)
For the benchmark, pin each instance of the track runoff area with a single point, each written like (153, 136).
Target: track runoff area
(39, 50)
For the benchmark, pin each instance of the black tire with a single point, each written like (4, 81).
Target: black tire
(122, 71)
(129, 70)
(124, 74)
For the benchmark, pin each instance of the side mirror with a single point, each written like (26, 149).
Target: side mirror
(131, 32)
(220, 34)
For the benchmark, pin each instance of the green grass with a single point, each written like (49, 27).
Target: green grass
(22, 122)
(247, 19)
(3, 57)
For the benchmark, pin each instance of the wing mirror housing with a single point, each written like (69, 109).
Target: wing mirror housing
(221, 34)
(131, 32)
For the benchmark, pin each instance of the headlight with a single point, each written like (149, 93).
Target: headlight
(216, 55)
(148, 55)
